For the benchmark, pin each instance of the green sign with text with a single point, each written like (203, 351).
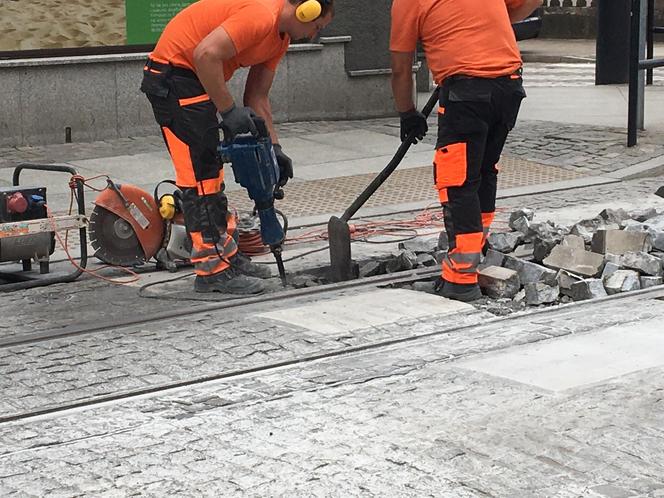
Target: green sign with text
(146, 19)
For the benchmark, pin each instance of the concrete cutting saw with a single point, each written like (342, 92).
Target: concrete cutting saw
(129, 227)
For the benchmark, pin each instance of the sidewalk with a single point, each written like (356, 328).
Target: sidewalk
(564, 134)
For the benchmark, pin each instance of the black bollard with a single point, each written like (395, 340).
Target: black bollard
(612, 49)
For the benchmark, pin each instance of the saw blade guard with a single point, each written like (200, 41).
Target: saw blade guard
(140, 210)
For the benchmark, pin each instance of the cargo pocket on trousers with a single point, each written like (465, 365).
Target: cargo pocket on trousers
(449, 166)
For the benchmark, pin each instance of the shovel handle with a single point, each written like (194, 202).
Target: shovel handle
(391, 166)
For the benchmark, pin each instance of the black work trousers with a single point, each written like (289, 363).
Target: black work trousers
(188, 121)
(474, 120)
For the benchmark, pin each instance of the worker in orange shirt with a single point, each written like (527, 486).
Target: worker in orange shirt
(471, 50)
(185, 79)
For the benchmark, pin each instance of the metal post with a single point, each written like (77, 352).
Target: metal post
(612, 50)
(643, 30)
(650, 38)
(633, 73)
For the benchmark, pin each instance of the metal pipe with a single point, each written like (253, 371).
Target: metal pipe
(632, 114)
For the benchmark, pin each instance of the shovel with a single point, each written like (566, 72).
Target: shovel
(341, 265)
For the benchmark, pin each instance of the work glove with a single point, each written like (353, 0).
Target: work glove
(285, 165)
(413, 121)
(238, 121)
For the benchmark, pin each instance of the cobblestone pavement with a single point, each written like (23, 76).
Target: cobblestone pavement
(401, 421)
(67, 370)
(88, 300)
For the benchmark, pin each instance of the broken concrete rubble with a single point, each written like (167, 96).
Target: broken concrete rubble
(566, 280)
(498, 282)
(620, 242)
(591, 288)
(530, 272)
(505, 242)
(588, 264)
(541, 293)
(622, 281)
(642, 262)
(648, 282)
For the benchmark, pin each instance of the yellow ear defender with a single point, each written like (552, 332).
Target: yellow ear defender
(309, 11)
(167, 207)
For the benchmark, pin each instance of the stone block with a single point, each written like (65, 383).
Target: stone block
(420, 245)
(655, 223)
(609, 269)
(406, 260)
(524, 251)
(642, 214)
(622, 281)
(371, 269)
(660, 192)
(574, 241)
(566, 280)
(426, 260)
(505, 242)
(614, 215)
(588, 264)
(591, 288)
(620, 241)
(521, 224)
(657, 239)
(526, 213)
(493, 258)
(586, 228)
(642, 262)
(530, 272)
(498, 282)
(541, 293)
(545, 237)
(648, 282)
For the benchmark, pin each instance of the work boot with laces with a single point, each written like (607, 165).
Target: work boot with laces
(229, 281)
(244, 265)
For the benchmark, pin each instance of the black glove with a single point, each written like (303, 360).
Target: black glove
(413, 121)
(285, 165)
(237, 121)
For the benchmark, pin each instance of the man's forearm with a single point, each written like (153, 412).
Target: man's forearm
(210, 72)
(262, 107)
(402, 89)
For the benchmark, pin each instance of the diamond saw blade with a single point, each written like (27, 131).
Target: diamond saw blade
(114, 239)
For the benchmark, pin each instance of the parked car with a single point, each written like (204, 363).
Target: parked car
(530, 26)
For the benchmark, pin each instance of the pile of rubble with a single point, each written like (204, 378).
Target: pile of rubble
(616, 251)
(544, 263)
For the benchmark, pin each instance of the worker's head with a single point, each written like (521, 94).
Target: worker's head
(304, 19)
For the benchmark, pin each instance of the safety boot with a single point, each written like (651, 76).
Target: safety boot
(244, 265)
(459, 292)
(229, 281)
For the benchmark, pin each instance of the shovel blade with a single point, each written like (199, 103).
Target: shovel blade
(341, 265)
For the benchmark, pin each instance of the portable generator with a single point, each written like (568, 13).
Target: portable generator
(27, 230)
(17, 206)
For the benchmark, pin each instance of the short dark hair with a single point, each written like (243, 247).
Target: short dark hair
(327, 5)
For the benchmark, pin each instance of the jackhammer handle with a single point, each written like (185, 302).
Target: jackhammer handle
(392, 165)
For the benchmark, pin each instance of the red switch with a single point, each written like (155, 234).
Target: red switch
(17, 203)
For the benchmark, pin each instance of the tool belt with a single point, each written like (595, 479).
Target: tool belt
(168, 69)
(158, 79)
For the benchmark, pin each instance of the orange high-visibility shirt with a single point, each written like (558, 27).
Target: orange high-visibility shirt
(470, 37)
(252, 25)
